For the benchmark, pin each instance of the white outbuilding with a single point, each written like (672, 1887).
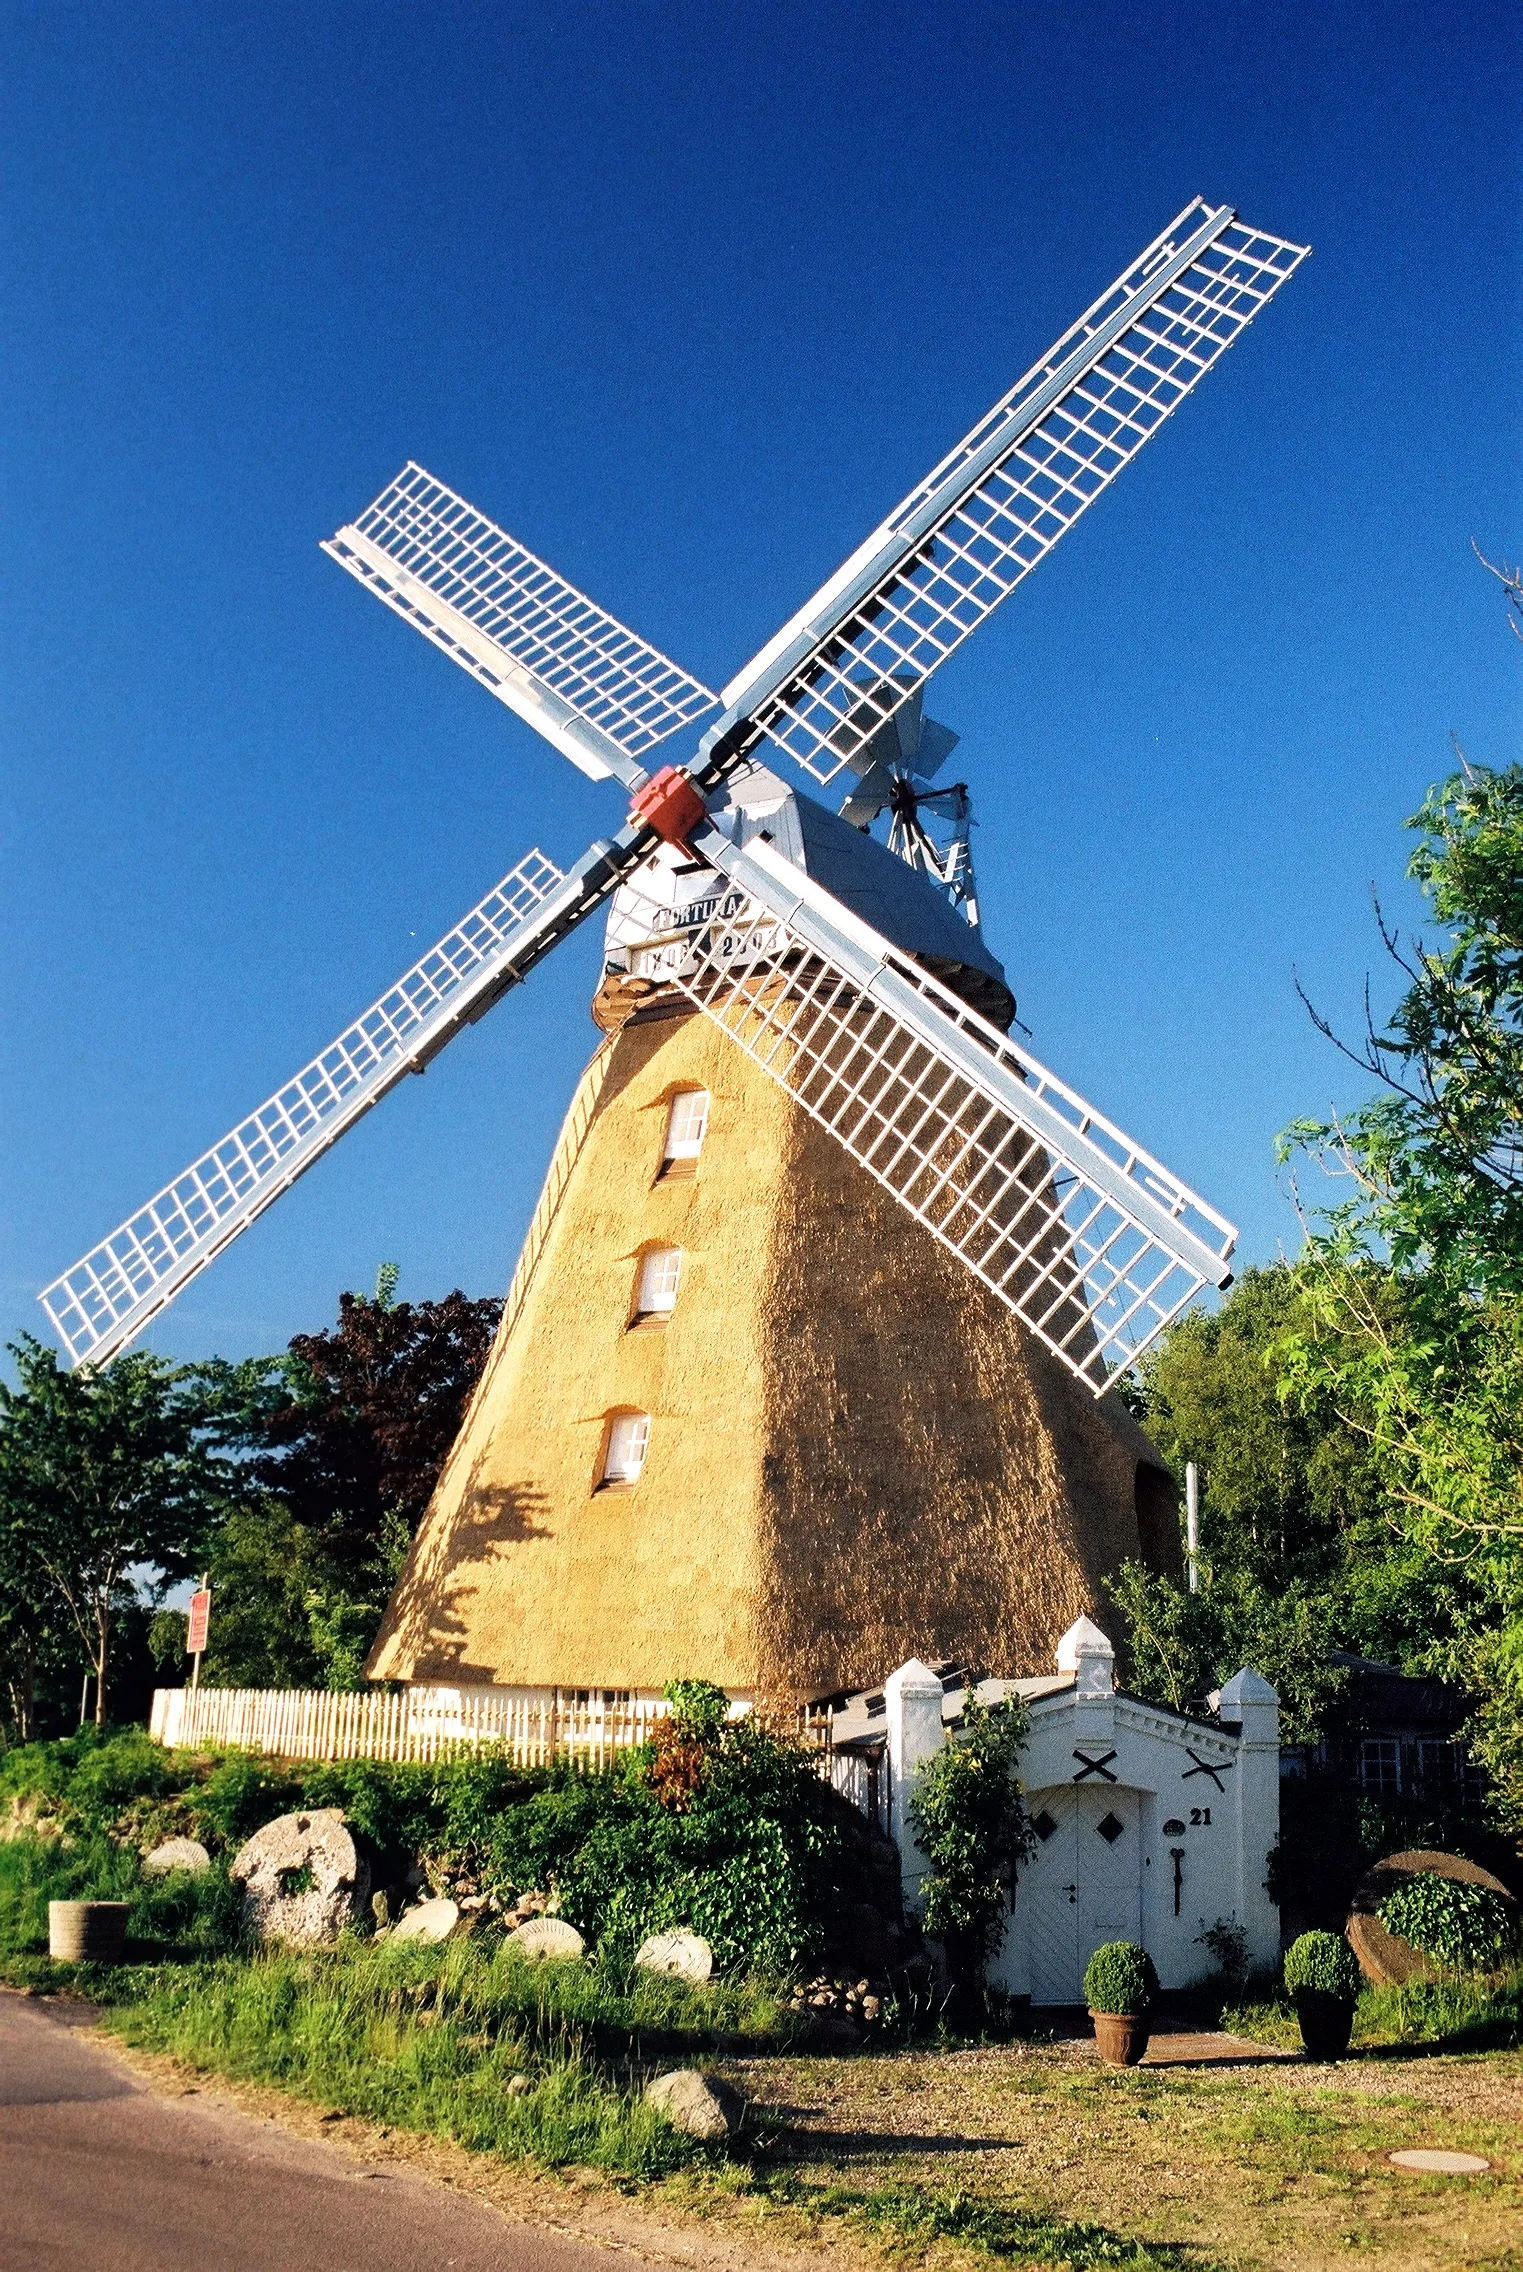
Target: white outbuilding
(1150, 1825)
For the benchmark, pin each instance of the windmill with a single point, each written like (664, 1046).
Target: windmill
(742, 898)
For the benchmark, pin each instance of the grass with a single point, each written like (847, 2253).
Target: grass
(1478, 2012)
(1020, 2153)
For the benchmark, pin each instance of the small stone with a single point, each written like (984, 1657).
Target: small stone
(177, 1854)
(547, 1937)
(517, 2085)
(871, 2007)
(380, 1910)
(699, 2104)
(429, 1921)
(685, 1956)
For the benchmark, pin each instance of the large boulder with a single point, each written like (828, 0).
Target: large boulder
(304, 1879)
(699, 2104)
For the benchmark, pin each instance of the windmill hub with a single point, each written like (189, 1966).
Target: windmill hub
(670, 803)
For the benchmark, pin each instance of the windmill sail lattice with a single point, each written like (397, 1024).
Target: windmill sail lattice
(1092, 1242)
(997, 504)
(596, 689)
(1089, 1240)
(110, 1295)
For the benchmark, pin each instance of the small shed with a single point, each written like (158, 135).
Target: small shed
(1150, 1825)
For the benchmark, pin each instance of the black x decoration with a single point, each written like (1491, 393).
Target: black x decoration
(1100, 1767)
(1204, 1767)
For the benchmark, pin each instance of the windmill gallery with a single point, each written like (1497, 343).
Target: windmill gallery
(802, 1372)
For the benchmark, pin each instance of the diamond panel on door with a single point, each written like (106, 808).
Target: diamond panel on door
(1108, 1839)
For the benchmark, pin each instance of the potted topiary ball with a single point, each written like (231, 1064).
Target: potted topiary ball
(1120, 1988)
(1322, 1981)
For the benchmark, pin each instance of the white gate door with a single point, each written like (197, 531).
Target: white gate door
(1083, 1885)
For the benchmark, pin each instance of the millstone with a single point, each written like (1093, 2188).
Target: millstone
(1384, 1958)
(87, 1932)
(429, 1921)
(303, 1877)
(1435, 2161)
(686, 1956)
(547, 1937)
(177, 1854)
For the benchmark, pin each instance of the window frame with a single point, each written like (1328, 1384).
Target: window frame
(680, 1154)
(643, 1313)
(608, 1481)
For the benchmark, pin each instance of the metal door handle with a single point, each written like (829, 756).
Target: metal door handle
(1072, 1891)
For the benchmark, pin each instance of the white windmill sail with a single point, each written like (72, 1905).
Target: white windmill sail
(997, 504)
(113, 1292)
(603, 695)
(1092, 1242)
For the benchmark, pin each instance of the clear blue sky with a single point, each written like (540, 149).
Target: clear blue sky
(687, 297)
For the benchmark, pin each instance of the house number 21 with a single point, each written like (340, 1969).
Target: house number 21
(1200, 1818)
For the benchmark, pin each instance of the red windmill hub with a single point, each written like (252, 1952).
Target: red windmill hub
(670, 804)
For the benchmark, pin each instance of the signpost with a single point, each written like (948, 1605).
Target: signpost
(195, 1630)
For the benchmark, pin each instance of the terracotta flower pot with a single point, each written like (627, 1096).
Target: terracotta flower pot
(1327, 2022)
(1121, 2036)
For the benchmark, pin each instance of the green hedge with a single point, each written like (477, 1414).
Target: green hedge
(1467, 1926)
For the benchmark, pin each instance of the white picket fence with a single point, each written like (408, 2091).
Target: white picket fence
(422, 1723)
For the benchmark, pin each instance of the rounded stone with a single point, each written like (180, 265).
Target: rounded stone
(547, 1937)
(682, 1955)
(699, 2104)
(177, 1854)
(429, 1921)
(1437, 2162)
(304, 1879)
(1384, 1959)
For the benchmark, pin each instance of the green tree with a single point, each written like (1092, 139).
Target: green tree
(350, 1434)
(1413, 1281)
(104, 1472)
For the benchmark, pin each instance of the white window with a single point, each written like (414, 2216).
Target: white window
(628, 1435)
(1380, 1763)
(686, 1124)
(656, 1294)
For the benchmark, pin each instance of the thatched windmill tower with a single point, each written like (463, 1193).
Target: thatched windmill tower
(804, 1368)
(743, 1419)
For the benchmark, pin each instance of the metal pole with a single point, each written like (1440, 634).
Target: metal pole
(1192, 1524)
(84, 1699)
(195, 1669)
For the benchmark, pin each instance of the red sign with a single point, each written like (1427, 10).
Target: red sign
(196, 1624)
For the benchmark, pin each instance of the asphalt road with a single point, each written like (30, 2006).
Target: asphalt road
(98, 2174)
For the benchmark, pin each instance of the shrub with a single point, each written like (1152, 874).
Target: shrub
(1467, 1926)
(969, 1823)
(1226, 1943)
(751, 1859)
(1120, 1978)
(1322, 1964)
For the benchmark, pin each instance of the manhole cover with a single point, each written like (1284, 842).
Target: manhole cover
(1434, 2159)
